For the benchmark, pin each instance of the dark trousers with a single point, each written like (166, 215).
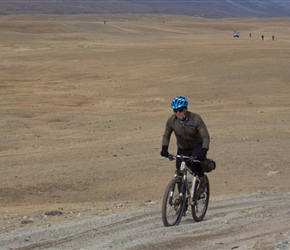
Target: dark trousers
(196, 167)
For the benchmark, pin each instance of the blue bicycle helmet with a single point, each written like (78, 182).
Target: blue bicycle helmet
(179, 102)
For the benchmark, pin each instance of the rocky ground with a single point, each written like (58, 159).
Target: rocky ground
(256, 221)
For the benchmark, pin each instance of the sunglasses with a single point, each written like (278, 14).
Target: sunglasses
(178, 110)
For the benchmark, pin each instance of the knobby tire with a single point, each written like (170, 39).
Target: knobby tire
(173, 204)
(199, 207)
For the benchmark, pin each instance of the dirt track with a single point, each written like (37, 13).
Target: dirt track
(256, 221)
(84, 104)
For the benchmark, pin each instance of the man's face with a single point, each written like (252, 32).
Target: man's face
(180, 113)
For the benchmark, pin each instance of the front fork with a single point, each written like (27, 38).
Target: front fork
(195, 182)
(190, 191)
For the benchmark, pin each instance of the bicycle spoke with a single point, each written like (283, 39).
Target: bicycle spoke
(172, 204)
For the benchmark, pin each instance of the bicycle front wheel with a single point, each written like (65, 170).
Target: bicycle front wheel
(199, 207)
(173, 203)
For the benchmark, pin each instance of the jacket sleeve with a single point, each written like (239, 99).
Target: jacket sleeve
(167, 132)
(204, 133)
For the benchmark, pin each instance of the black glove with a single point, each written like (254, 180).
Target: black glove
(164, 151)
(202, 154)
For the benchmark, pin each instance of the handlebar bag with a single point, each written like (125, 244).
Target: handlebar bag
(208, 165)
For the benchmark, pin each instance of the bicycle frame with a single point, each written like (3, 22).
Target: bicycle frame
(190, 191)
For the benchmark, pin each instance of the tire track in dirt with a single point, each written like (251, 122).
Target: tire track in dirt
(255, 221)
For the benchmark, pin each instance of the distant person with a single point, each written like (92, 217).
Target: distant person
(262, 37)
(273, 37)
(191, 135)
(250, 35)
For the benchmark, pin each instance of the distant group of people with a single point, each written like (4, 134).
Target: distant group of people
(262, 37)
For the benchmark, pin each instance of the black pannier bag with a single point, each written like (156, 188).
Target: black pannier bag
(208, 165)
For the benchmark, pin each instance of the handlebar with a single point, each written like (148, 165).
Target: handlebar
(172, 157)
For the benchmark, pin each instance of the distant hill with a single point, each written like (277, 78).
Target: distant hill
(202, 8)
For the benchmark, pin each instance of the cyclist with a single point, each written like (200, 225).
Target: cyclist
(191, 135)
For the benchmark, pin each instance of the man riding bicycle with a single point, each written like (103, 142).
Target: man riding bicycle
(191, 134)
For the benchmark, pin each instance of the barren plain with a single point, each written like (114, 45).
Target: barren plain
(84, 101)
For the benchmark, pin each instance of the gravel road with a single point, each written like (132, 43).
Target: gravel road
(255, 221)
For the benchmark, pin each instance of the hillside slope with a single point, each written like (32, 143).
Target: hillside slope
(206, 8)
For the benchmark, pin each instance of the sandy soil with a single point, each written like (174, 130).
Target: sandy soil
(84, 104)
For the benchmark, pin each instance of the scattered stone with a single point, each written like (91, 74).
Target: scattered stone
(272, 173)
(53, 213)
(151, 203)
(119, 205)
(284, 245)
(23, 222)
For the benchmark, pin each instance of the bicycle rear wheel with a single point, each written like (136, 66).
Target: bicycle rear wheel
(173, 203)
(199, 207)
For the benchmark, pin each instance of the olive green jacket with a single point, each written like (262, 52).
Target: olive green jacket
(188, 134)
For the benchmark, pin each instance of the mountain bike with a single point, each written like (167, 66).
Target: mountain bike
(182, 194)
